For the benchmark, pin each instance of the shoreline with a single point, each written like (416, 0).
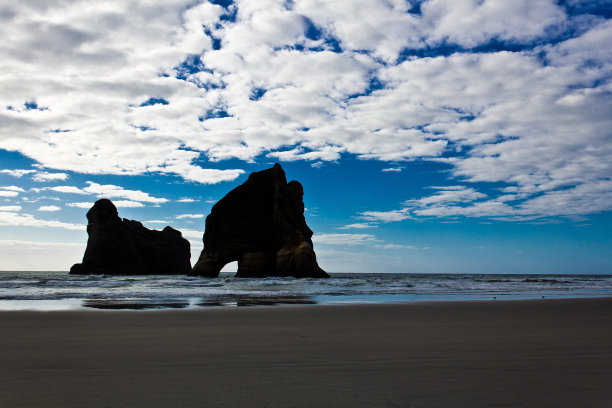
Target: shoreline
(266, 305)
(539, 352)
(187, 304)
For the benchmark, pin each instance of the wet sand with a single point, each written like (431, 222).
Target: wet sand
(539, 353)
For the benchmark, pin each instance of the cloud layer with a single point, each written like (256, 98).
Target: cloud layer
(516, 94)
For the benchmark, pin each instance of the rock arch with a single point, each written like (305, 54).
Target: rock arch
(261, 225)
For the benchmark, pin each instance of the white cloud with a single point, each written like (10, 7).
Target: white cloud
(393, 169)
(81, 204)
(591, 47)
(186, 200)
(381, 26)
(317, 165)
(12, 188)
(158, 222)
(10, 208)
(68, 189)
(128, 204)
(303, 88)
(203, 176)
(193, 234)
(27, 220)
(183, 216)
(313, 82)
(4, 193)
(49, 208)
(17, 172)
(43, 176)
(491, 208)
(584, 198)
(118, 204)
(520, 135)
(91, 68)
(36, 244)
(456, 201)
(473, 22)
(110, 191)
(358, 225)
(345, 239)
(385, 216)
(449, 194)
(39, 198)
(395, 246)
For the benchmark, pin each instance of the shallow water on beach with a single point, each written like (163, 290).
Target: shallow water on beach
(61, 291)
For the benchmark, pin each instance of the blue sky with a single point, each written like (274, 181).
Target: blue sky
(430, 136)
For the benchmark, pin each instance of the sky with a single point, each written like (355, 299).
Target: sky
(436, 136)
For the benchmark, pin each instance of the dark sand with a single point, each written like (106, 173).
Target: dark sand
(541, 353)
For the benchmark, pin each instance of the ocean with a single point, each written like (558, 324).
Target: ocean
(61, 291)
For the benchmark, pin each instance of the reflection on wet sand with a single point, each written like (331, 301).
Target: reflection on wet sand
(211, 301)
(245, 300)
(135, 304)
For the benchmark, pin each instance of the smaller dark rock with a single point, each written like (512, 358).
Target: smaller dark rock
(125, 247)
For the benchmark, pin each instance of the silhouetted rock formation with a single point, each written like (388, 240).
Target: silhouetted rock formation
(124, 247)
(261, 225)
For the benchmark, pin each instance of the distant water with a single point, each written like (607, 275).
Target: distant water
(61, 291)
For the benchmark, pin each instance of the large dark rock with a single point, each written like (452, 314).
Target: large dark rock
(261, 225)
(124, 247)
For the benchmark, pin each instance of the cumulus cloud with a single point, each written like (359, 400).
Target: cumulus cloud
(128, 204)
(358, 225)
(473, 22)
(49, 208)
(393, 169)
(10, 208)
(8, 193)
(12, 188)
(17, 172)
(395, 246)
(449, 194)
(43, 176)
(385, 216)
(81, 204)
(77, 101)
(490, 208)
(192, 216)
(186, 200)
(456, 201)
(193, 234)
(345, 239)
(118, 204)
(514, 93)
(317, 165)
(110, 191)
(68, 189)
(12, 218)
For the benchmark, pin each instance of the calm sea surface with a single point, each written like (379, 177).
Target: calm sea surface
(61, 291)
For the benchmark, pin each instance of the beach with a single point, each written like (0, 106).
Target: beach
(516, 353)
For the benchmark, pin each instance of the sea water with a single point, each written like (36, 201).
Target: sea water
(61, 291)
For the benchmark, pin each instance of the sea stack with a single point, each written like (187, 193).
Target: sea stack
(261, 225)
(125, 247)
